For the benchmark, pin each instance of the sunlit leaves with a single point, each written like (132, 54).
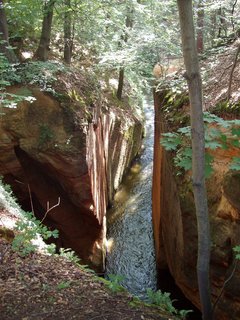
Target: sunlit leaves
(235, 165)
(183, 158)
(237, 252)
(236, 131)
(219, 133)
(170, 140)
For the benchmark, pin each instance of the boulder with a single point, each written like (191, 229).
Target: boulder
(64, 160)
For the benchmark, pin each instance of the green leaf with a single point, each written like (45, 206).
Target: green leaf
(235, 165)
(170, 140)
(212, 145)
(236, 131)
(208, 165)
(235, 143)
(224, 141)
(185, 130)
(237, 251)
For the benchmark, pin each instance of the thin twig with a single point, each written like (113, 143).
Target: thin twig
(232, 19)
(49, 209)
(224, 285)
(30, 196)
(224, 71)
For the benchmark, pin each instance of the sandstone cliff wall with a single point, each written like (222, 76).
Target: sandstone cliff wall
(175, 227)
(62, 151)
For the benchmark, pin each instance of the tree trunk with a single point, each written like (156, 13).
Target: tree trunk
(198, 150)
(120, 83)
(213, 19)
(232, 15)
(200, 25)
(44, 44)
(4, 42)
(129, 24)
(68, 32)
(223, 24)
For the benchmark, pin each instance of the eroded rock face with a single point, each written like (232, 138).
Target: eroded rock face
(175, 227)
(54, 152)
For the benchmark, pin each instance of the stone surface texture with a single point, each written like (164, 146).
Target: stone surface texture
(60, 152)
(175, 225)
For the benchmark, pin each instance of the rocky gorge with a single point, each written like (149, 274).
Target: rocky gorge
(67, 157)
(174, 220)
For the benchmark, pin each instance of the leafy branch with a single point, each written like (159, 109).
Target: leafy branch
(219, 133)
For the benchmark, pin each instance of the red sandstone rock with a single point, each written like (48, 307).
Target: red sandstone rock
(59, 152)
(175, 226)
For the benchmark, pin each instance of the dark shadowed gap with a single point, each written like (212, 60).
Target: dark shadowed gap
(166, 283)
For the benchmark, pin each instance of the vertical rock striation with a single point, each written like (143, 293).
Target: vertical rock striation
(175, 227)
(55, 151)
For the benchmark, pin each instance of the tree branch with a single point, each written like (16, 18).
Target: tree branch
(49, 209)
(224, 286)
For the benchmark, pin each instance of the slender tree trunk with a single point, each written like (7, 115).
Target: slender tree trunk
(198, 148)
(213, 19)
(200, 26)
(44, 44)
(222, 19)
(129, 24)
(68, 43)
(4, 41)
(232, 12)
(120, 83)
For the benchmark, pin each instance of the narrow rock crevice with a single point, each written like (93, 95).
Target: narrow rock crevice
(43, 155)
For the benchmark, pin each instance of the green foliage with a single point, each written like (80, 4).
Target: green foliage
(219, 133)
(24, 18)
(8, 76)
(114, 282)
(135, 302)
(163, 300)
(45, 135)
(70, 255)
(7, 198)
(42, 74)
(237, 252)
(171, 140)
(64, 285)
(29, 230)
(7, 72)
(235, 165)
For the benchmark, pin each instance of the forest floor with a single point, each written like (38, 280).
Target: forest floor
(40, 286)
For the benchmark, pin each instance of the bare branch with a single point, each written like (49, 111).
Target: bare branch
(224, 285)
(30, 196)
(49, 209)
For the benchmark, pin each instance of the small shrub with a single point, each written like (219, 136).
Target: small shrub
(30, 230)
(114, 282)
(63, 285)
(237, 252)
(70, 255)
(163, 300)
